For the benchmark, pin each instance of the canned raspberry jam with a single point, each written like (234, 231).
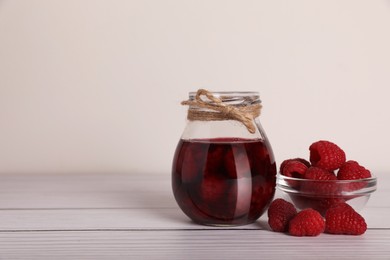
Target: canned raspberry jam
(223, 171)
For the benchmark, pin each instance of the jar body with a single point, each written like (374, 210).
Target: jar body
(223, 175)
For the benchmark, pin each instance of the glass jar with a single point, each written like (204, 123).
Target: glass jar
(223, 170)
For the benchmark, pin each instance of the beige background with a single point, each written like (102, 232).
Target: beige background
(95, 86)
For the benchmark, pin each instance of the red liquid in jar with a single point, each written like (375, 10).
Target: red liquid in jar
(225, 181)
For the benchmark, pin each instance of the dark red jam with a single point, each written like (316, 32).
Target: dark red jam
(225, 181)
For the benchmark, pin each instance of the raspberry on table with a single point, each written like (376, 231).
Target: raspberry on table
(343, 219)
(326, 155)
(351, 170)
(280, 212)
(308, 222)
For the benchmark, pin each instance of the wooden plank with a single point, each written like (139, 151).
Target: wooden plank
(144, 218)
(85, 191)
(91, 219)
(179, 244)
(74, 199)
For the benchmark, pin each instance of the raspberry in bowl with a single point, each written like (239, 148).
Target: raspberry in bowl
(323, 194)
(326, 181)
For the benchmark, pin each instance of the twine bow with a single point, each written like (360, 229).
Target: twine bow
(220, 111)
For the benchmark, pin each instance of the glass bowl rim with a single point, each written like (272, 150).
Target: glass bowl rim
(283, 177)
(283, 185)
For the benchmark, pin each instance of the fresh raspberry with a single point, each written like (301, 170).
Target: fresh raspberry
(308, 222)
(294, 168)
(280, 212)
(285, 162)
(319, 183)
(343, 219)
(326, 155)
(351, 170)
(315, 173)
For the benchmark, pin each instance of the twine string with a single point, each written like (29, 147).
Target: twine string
(219, 111)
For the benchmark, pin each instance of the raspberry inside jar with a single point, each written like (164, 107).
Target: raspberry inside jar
(223, 181)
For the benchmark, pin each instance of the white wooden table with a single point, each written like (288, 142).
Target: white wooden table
(134, 216)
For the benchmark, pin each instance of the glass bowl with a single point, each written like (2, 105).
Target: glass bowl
(321, 195)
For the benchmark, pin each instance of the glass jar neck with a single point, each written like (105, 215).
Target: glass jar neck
(230, 98)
